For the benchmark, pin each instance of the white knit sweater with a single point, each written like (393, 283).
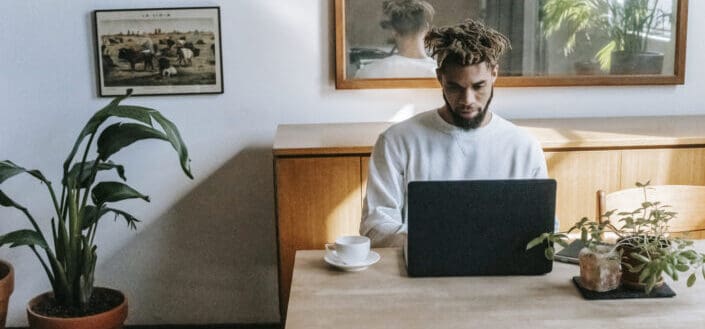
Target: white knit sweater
(425, 147)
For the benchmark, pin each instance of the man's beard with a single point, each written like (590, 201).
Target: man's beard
(472, 123)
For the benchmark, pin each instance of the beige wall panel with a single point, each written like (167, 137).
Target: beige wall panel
(579, 175)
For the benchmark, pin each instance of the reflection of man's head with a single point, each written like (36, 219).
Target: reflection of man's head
(407, 17)
(467, 55)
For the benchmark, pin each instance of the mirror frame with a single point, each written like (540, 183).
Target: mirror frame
(341, 82)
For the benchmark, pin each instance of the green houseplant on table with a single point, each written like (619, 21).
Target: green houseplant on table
(600, 268)
(647, 251)
(69, 258)
(625, 25)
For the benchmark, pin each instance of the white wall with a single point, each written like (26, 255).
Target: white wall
(205, 252)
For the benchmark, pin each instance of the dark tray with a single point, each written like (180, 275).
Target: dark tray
(664, 291)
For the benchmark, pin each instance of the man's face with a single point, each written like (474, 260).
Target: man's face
(467, 91)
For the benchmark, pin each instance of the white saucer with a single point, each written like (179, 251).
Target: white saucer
(333, 260)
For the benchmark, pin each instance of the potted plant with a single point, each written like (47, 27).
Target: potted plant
(69, 257)
(647, 250)
(600, 268)
(7, 284)
(625, 25)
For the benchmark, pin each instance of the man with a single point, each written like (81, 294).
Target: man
(463, 139)
(409, 21)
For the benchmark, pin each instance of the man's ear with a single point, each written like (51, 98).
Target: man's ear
(495, 73)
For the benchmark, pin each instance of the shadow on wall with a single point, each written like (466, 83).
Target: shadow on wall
(212, 257)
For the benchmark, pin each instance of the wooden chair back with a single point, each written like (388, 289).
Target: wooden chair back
(688, 201)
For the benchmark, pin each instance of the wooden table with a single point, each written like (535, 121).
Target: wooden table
(384, 297)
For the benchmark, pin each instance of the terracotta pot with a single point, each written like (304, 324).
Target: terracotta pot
(7, 285)
(111, 319)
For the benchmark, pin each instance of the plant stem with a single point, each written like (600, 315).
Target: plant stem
(91, 179)
(62, 290)
(53, 198)
(44, 265)
(31, 220)
(94, 229)
(74, 237)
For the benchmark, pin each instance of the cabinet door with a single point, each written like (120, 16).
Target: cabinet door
(579, 175)
(684, 166)
(318, 199)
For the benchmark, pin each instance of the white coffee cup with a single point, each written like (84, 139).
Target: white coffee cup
(350, 249)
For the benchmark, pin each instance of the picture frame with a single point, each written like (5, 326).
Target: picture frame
(158, 51)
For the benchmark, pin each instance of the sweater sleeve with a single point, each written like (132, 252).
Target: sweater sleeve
(384, 200)
(538, 161)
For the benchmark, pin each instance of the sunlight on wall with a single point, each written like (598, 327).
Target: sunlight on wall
(406, 111)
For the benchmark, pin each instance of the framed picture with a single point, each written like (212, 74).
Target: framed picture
(159, 51)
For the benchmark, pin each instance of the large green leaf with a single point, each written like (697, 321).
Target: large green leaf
(113, 192)
(9, 169)
(129, 219)
(85, 179)
(119, 135)
(139, 113)
(91, 215)
(174, 137)
(536, 241)
(23, 238)
(5, 201)
(92, 126)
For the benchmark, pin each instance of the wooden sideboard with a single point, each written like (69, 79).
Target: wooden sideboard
(321, 171)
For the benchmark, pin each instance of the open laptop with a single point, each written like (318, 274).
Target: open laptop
(478, 227)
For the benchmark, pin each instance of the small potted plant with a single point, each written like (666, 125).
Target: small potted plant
(69, 257)
(647, 250)
(600, 268)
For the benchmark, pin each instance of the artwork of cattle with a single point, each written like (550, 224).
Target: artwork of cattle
(137, 64)
(159, 53)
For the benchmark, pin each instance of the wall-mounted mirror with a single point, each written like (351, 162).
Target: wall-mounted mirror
(554, 42)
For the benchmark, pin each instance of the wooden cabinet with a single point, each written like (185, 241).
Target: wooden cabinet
(321, 171)
(318, 198)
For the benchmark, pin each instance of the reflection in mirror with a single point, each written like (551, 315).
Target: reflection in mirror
(608, 36)
(560, 41)
(407, 22)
